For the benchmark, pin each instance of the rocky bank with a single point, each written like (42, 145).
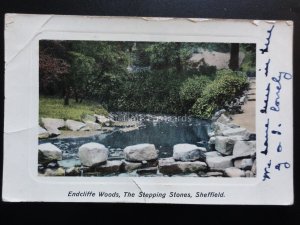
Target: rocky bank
(231, 152)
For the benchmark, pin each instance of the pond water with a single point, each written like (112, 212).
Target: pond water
(161, 132)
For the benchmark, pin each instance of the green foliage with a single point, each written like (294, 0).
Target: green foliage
(152, 77)
(248, 64)
(156, 92)
(54, 108)
(224, 88)
(192, 89)
(169, 54)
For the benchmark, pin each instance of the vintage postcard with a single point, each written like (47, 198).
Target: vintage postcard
(148, 110)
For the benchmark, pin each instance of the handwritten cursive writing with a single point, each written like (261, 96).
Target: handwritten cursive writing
(277, 80)
(279, 147)
(285, 164)
(266, 101)
(267, 67)
(267, 171)
(266, 143)
(266, 49)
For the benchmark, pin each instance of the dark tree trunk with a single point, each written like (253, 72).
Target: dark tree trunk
(234, 56)
(67, 97)
(178, 63)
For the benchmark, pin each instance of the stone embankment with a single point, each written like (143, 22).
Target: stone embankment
(231, 152)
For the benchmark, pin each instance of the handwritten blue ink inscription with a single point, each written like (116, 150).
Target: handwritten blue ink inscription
(277, 81)
(266, 143)
(267, 68)
(266, 49)
(285, 164)
(267, 171)
(266, 101)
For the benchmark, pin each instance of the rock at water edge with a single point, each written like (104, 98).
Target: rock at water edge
(253, 169)
(234, 131)
(88, 118)
(219, 128)
(49, 153)
(53, 125)
(219, 162)
(214, 174)
(55, 172)
(218, 114)
(223, 119)
(74, 125)
(102, 119)
(243, 149)
(91, 126)
(140, 152)
(73, 171)
(212, 154)
(244, 164)
(224, 145)
(92, 153)
(234, 172)
(110, 167)
(131, 166)
(170, 167)
(43, 133)
(147, 171)
(188, 153)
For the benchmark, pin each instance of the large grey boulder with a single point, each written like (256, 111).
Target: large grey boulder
(53, 125)
(73, 171)
(140, 152)
(249, 136)
(92, 154)
(147, 171)
(110, 167)
(234, 172)
(212, 140)
(169, 166)
(243, 149)
(74, 125)
(225, 145)
(101, 119)
(130, 166)
(188, 152)
(253, 169)
(92, 126)
(234, 131)
(223, 119)
(244, 164)
(218, 114)
(212, 154)
(55, 172)
(88, 118)
(219, 128)
(219, 162)
(43, 133)
(49, 153)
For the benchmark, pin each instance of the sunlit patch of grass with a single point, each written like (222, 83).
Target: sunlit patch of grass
(55, 108)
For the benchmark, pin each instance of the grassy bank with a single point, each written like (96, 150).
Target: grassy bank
(54, 108)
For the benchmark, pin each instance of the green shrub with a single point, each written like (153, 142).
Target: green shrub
(227, 86)
(192, 89)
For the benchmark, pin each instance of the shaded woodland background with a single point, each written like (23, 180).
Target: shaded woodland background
(150, 77)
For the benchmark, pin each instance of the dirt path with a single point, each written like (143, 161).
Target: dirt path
(247, 119)
(218, 59)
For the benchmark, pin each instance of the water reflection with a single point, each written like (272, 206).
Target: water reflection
(163, 134)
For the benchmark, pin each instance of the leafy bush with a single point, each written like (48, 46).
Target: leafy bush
(227, 86)
(192, 89)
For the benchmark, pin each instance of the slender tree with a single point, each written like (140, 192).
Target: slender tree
(234, 56)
